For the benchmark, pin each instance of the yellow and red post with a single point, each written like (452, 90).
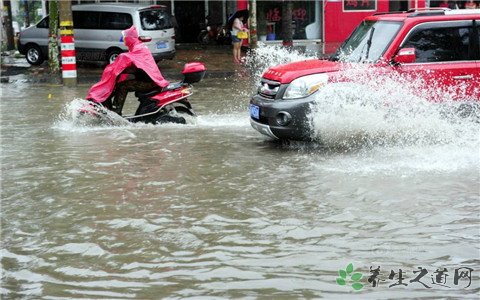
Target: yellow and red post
(69, 63)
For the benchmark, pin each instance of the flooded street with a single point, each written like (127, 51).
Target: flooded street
(214, 209)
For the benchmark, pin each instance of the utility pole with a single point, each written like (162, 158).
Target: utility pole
(7, 21)
(253, 24)
(287, 9)
(53, 62)
(69, 63)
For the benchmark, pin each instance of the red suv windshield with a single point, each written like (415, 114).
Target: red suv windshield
(368, 42)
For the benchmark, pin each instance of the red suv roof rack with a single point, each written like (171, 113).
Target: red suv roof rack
(428, 11)
(389, 13)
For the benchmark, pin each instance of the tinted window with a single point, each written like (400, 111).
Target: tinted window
(86, 19)
(155, 19)
(112, 20)
(478, 41)
(440, 44)
(44, 23)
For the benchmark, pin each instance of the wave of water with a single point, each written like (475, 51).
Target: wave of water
(383, 116)
(390, 110)
(391, 125)
(386, 122)
(73, 121)
(266, 56)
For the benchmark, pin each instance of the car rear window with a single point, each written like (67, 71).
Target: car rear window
(155, 19)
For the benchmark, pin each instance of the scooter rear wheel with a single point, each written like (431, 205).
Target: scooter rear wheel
(170, 119)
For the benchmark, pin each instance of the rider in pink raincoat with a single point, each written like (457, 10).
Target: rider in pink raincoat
(139, 61)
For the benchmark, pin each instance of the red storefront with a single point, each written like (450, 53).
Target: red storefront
(341, 17)
(327, 21)
(330, 21)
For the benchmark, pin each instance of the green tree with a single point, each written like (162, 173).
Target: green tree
(53, 52)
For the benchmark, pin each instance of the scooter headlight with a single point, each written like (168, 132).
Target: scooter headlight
(305, 86)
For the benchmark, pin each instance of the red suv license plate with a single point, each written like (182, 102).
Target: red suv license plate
(254, 111)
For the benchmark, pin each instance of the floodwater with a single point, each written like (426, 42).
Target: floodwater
(214, 209)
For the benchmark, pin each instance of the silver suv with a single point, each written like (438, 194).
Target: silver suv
(97, 32)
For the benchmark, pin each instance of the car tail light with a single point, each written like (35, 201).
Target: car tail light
(173, 37)
(145, 39)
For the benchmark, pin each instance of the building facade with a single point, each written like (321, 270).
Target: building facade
(329, 21)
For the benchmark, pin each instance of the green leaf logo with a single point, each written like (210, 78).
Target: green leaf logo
(354, 277)
(349, 268)
(357, 286)
(357, 276)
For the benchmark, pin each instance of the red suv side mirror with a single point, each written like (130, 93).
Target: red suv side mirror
(405, 56)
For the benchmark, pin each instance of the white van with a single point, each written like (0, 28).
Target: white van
(98, 31)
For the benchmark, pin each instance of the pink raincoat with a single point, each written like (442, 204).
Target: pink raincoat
(137, 55)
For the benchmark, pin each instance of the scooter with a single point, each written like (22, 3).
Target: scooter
(214, 33)
(224, 36)
(159, 105)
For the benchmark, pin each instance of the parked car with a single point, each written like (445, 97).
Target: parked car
(438, 46)
(98, 30)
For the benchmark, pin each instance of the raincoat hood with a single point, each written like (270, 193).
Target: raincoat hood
(138, 55)
(130, 36)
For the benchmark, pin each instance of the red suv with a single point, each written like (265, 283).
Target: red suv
(439, 47)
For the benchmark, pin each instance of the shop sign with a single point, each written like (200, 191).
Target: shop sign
(359, 5)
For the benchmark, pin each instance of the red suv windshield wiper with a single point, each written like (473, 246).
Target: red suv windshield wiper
(368, 44)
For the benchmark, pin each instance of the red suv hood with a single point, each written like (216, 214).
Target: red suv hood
(287, 73)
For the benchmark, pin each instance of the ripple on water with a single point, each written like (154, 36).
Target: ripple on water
(212, 209)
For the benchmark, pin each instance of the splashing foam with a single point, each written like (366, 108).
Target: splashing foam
(390, 110)
(72, 118)
(373, 109)
(266, 56)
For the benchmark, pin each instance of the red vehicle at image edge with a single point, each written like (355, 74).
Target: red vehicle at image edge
(439, 47)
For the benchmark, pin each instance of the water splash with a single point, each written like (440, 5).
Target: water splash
(389, 124)
(72, 117)
(73, 121)
(266, 56)
(389, 110)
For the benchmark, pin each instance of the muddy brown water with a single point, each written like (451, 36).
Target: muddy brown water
(214, 209)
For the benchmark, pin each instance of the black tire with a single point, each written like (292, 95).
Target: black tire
(112, 55)
(182, 109)
(34, 55)
(170, 119)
